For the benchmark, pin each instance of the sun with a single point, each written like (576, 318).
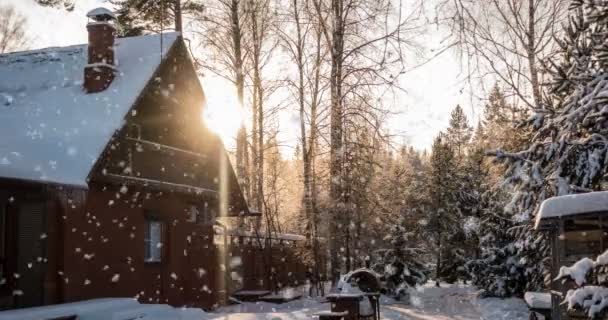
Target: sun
(222, 114)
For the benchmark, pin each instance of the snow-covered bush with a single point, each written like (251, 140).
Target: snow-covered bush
(400, 266)
(506, 265)
(590, 279)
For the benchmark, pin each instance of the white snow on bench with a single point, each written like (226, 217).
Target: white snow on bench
(51, 129)
(332, 313)
(106, 308)
(538, 300)
(251, 293)
(573, 204)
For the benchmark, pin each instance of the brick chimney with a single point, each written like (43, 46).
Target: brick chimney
(100, 70)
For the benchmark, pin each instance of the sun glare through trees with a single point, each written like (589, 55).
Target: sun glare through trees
(303, 159)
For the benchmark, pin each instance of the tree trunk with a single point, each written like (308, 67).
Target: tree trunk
(241, 140)
(258, 109)
(335, 171)
(531, 52)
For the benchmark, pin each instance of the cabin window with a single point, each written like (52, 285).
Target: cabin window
(208, 215)
(3, 231)
(193, 213)
(153, 240)
(134, 131)
(583, 238)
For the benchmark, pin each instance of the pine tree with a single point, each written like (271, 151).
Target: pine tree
(458, 134)
(444, 217)
(501, 269)
(136, 17)
(401, 264)
(498, 117)
(400, 259)
(68, 5)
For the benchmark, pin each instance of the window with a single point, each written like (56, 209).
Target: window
(3, 230)
(153, 240)
(209, 215)
(192, 213)
(582, 238)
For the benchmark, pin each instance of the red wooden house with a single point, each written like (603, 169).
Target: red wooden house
(109, 181)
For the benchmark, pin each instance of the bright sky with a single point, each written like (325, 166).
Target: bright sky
(432, 90)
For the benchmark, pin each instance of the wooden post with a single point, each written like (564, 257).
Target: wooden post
(557, 252)
(601, 226)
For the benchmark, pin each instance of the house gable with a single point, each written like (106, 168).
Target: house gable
(164, 144)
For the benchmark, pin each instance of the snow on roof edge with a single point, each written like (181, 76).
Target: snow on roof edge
(572, 204)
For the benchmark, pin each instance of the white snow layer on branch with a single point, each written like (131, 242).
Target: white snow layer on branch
(594, 298)
(578, 271)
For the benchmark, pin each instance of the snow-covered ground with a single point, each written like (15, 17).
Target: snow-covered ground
(427, 303)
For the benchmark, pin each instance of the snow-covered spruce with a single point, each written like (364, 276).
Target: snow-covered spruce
(401, 266)
(569, 144)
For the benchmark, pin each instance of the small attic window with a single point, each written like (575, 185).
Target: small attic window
(134, 131)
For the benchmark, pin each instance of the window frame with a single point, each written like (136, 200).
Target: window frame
(149, 245)
(3, 239)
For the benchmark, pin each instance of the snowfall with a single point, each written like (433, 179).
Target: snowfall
(426, 302)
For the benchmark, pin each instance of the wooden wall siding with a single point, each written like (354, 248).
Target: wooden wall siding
(41, 260)
(269, 268)
(31, 224)
(108, 231)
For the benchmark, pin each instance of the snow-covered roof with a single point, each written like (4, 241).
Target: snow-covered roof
(52, 130)
(105, 308)
(573, 204)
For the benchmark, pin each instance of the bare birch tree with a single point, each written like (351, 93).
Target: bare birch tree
(301, 36)
(12, 30)
(368, 41)
(223, 35)
(507, 39)
(263, 43)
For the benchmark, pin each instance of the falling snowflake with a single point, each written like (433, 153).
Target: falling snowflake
(115, 277)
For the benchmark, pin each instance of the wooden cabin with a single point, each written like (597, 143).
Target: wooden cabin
(577, 227)
(110, 184)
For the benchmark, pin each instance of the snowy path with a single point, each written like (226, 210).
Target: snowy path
(427, 303)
